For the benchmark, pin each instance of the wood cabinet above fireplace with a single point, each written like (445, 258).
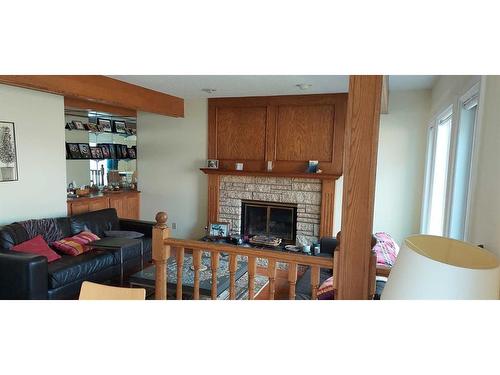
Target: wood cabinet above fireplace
(288, 130)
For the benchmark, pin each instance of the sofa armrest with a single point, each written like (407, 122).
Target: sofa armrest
(23, 276)
(141, 226)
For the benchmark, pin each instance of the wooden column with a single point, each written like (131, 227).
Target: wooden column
(161, 253)
(327, 208)
(360, 162)
(213, 198)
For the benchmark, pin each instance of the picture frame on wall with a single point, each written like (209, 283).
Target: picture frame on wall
(85, 150)
(78, 125)
(124, 150)
(8, 152)
(219, 229)
(96, 153)
(120, 127)
(106, 125)
(112, 151)
(73, 150)
(132, 153)
(92, 127)
(106, 154)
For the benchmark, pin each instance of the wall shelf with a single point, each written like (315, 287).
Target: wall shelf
(321, 176)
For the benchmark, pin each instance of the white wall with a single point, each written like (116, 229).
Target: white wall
(485, 214)
(39, 124)
(170, 153)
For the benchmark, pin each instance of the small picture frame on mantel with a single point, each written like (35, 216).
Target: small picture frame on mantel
(219, 230)
(212, 164)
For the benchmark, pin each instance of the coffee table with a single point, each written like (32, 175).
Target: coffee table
(146, 277)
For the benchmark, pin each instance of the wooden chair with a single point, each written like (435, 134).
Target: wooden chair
(93, 291)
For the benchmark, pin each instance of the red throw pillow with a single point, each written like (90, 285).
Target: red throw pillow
(75, 245)
(326, 291)
(38, 246)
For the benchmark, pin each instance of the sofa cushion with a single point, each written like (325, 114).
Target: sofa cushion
(76, 244)
(12, 234)
(303, 286)
(69, 268)
(96, 222)
(37, 246)
(326, 291)
(52, 229)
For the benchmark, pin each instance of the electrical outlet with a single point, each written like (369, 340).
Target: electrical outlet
(174, 226)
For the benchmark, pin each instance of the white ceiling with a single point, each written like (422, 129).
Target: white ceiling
(190, 87)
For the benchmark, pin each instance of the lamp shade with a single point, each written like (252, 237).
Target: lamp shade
(432, 267)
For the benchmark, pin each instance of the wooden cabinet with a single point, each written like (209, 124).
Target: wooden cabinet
(127, 204)
(288, 130)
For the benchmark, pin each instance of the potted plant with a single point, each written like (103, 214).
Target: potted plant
(7, 154)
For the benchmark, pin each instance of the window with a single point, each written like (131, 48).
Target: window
(448, 168)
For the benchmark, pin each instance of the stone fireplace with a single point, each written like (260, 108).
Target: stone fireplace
(302, 195)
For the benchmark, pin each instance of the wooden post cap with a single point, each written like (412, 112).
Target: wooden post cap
(161, 219)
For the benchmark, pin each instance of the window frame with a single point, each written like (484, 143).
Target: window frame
(477, 89)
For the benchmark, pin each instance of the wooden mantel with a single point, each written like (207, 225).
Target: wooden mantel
(103, 90)
(232, 172)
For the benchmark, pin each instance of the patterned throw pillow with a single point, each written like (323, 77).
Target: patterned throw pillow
(326, 291)
(386, 249)
(75, 245)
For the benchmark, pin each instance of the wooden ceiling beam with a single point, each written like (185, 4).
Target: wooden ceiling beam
(72, 103)
(103, 90)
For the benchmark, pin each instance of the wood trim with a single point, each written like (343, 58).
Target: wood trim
(88, 105)
(327, 208)
(213, 198)
(230, 172)
(103, 90)
(384, 101)
(360, 162)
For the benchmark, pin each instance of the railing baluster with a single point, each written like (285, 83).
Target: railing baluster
(292, 279)
(197, 265)
(180, 264)
(252, 269)
(214, 264)
(233, 264)
(271, 272)
(314, 282)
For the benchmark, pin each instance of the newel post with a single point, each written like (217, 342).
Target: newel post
(161, 253)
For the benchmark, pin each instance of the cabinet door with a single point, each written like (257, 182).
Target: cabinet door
(98, 204)
(133, 203)
(79, 208)
(241, 135)
(118, 203)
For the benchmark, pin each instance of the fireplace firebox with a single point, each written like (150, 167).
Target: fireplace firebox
(269, 219)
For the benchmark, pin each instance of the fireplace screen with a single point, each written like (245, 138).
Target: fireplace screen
(269, 219)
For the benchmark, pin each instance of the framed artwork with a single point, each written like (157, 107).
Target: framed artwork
(106, 125)
(73, 150)
(92, 127)
(105, 151)
(112, 151)
(85, 150)
(8, 155)
(78, 125)
(70, 125)
(96, 153)
(124, 150)
(212, 164)
(219, 230)
(312, 166)
(131, 153)
(120, 127)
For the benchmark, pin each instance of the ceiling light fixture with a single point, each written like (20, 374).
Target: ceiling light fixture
(303, 86)
(209, 91)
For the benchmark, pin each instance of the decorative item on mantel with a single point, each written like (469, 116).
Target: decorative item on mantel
(8, 157)
(212, 164)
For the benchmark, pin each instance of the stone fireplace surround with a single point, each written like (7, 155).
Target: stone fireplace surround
(306, 193)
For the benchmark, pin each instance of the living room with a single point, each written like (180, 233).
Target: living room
(263, 186)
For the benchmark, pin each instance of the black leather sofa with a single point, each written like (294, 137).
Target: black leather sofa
(26, 276)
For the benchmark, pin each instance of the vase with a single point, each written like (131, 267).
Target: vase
(7, 173)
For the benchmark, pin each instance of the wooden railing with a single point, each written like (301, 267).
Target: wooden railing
(164, 247)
